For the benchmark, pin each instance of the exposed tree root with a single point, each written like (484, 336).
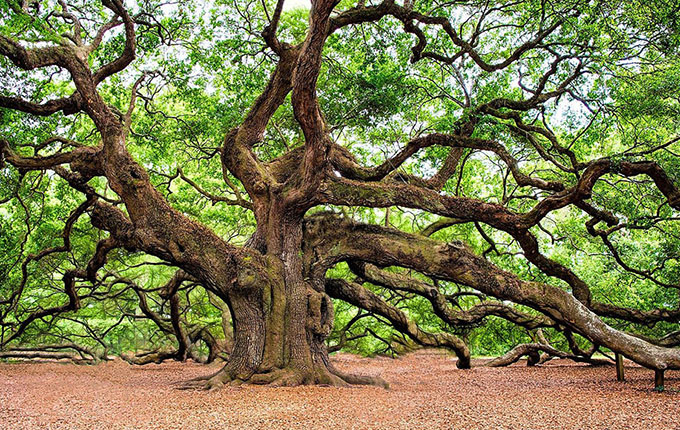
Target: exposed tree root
(281, 377)
(207, 382)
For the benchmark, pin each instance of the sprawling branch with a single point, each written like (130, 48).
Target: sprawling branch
(361, 297)
(82, 154)
(521, 350)
(455, 262)
(29, 59)
(441, 306)
(345, 163)
(128, 54)
(304, 98)
(67, 105)
(54, 351)
(411, 20)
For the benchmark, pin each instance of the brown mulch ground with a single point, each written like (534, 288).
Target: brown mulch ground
(427, 392)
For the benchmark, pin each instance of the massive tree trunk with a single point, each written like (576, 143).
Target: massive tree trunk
(280, 326)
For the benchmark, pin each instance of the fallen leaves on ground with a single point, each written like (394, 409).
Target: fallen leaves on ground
(427, 392)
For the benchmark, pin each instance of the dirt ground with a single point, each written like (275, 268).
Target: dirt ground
(427, 392)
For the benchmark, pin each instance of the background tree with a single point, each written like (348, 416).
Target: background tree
(451, 170)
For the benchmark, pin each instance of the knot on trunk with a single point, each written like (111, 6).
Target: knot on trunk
(247, 278)
(135, 176)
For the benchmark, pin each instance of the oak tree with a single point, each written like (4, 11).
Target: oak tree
(355, 135)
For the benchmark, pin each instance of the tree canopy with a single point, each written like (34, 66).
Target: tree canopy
(268, 183)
